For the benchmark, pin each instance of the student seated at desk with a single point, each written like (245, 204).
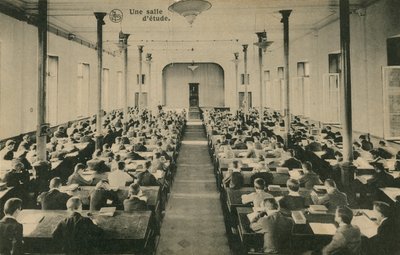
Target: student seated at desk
(262, 171)
(146, 178)
(387, 241)
(333, 198)
(381, 178)
(310, 178)
(10, 229)
(77, 234)
(292, 162)
(76, 177)
(239, 145)
(117, 146)
(274, 225)
(227, 152)
(278, 152)
(328, 149)
(365, 144)
(18, 176)
(7, 153)
(132, 155)
(313, 145)
(347, 239)
(258, 196)
(359, 152)
(292, 201)
(397, 163)
(119, 177)
(101, 196)
(250, 153)
(136, 201)
(234, 178)
(53, 199)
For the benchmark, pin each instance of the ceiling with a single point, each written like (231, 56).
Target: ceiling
(232, 21)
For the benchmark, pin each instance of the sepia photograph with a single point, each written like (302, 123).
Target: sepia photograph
(200, 127)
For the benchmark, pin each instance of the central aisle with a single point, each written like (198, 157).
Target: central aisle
(194, 223)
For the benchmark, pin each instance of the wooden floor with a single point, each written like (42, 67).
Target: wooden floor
(194, 223)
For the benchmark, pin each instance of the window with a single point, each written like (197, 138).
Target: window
(83, 85)
(120, 98)
(244, 79)
(242, 99)
(106, 89)
(393, 51)
(52, 90)
(331, 99)
(143, 79)
(303, 69)
(391, 102)
(143, 99)
(334, 62)
(281, 73)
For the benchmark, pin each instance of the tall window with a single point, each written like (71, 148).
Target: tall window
(144, 99)
(120, 99)
(241, 99)
(299, 94)
(331, 91)
(268, 89)
(106, 89)
(52, 90)
(393, 51)
(83, 85)
(143, 79)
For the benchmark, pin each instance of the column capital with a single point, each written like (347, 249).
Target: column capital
(140, 48)
(285, 14)
(261, 35)
(245, 47)
(123, 37)
(100, 17)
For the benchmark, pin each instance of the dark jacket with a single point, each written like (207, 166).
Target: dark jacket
(293, 203)
(134, 204)
(15, 179)
(133, 156)
(387, 241)
(266, 176)
(347, 240)
(53, 200)
(99, 197)
(277, 231)
(235, 181)
(147, 179)
(77, 234)
(10, 236)
(291, 163)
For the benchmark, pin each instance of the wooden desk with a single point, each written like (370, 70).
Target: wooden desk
(234, 197)
(121, 229)
(279, 179)
(151, 192)
(302, 233)
(391, 193)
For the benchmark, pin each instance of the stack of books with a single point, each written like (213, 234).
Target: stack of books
(298, 217)
(318, 209)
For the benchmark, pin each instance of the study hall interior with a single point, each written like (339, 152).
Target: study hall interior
(188, 126)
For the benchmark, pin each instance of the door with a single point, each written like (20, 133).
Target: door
(193, 94)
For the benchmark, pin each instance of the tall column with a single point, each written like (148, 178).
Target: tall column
(236, 61)
(41, 135)
(100, 22)
(262, 36)
(140, 48)
(346, 95)
(149, 61)
(285, 21)
(246, 82)
(124, 37)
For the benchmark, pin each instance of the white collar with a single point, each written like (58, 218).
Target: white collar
(9, 216)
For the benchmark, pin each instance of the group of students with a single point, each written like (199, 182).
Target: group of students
(111, 167)
(261, 143)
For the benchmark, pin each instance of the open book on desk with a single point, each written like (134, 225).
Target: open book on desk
(323, 228)
(367, 227)
(107, 211)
